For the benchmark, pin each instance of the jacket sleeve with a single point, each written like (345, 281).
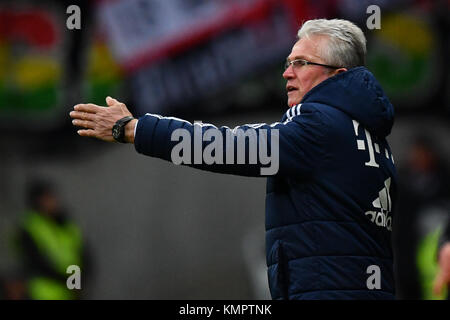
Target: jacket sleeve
(292, 147)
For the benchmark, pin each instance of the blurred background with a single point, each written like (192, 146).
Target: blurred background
(141, 228)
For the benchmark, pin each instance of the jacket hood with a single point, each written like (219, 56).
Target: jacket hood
(357, 93)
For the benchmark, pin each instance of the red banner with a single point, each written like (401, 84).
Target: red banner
(142, 31)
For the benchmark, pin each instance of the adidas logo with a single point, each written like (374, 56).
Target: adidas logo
(383, 205)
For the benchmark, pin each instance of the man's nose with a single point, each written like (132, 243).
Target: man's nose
(289, 73)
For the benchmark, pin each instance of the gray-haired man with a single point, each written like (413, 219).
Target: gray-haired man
(329, 207)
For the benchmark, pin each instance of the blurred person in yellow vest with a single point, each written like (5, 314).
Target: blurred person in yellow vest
(48, 243)
(424, 208)
(433, 265)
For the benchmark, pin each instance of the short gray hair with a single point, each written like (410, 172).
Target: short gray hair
(346, 45)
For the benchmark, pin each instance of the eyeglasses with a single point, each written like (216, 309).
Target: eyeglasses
(302, 62)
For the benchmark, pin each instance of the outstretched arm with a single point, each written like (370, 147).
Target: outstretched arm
(291, 147)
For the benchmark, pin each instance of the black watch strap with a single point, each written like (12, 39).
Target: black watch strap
(118, 131)
(124, 120)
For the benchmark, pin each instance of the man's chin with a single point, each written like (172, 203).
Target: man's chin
(292, 103)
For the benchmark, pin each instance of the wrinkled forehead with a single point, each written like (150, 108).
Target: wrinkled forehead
(308, 48)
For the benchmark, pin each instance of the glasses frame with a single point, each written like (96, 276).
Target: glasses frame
(304, 62)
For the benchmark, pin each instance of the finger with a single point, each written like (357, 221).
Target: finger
(82, 115)
(111, 101)
(88, 107)
(87, 133)
(84, 123)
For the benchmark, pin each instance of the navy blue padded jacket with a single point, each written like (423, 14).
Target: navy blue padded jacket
(329, 208)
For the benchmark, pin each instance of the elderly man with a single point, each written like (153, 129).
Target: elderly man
(329, 205)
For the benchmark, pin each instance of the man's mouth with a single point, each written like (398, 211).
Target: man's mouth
(291, 88)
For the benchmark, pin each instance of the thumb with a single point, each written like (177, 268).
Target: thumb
(111, 101)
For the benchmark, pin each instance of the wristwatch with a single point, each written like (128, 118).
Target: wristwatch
(118, 130)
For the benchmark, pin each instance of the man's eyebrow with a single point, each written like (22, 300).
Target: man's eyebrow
(297, 57)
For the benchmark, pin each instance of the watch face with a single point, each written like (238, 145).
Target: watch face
(116, 132)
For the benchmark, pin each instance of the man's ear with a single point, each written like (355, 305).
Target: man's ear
(340, 70)
(332, 73)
